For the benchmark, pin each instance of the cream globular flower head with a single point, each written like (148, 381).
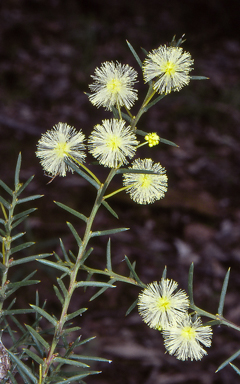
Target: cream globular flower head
(159, 306)
(113, 86)
(112, 142)
(168, 67)
(145, 188)
(57, 144)
(183, 339)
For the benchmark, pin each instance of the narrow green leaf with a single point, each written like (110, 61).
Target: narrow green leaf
(71, 362)
(70, 330)
(199, 78)
(17, 311)
(79, 312)
(18, 324)
(190, 284)
(33, 356)
(93, 284)
(236, 369)
(82, 173)
(72, 211)
(86, 254)
(38, 339)
(64, 251)
(57, 257)
(131, 170)
(7, 189)
(58, 294)
(145, 51)
(78, 377)
(212, 322)
(12, 287)
(54, 265)
(30, 198)
(18, 236)
(108, 232)
(106, 205)
(102, 290)
(72, 256)
(4, 203)
(3, 267)
(14, 225)
(9, 330)
(168, 142)
(17, 171)
(132, 270)
(25, 379)
(137, 58)
(21, 189)
(63, 288)
(86, 340)
(141, 133)
(223, 293)
(155, 101)
(44, 314)
(24, 213)
(21, 247)
(75, 234)
(29, 258)
(177, 43)
(132, 306)
(12, 303)
(23, 367)
(72, 346)
(109, 261)
(229, 360)
(90, 358)
(12, 378)
(164, 274)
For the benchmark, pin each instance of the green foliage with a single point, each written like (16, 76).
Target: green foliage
(42, 352)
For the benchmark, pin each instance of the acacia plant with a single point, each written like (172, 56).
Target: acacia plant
(40, 354)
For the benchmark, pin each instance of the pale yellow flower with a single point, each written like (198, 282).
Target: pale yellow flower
(145, 188)
(183, 339)
(159, 306)
(168, 67)
(58, 144)
(112, 142)
(113, 86)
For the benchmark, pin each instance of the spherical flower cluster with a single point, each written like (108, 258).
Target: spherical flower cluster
(183, 339)
(113, 86)
(145, 188)
(152, 139)
(166, 311)
(112, 142)
(58, 144)
(159, 306)
(168, 67)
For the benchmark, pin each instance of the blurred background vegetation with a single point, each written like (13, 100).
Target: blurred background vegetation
(48, 50)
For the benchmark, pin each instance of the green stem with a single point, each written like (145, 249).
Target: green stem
(115, 192)
(216, 317)
(6, 249)
(151, 92)
(113, 275)
(73, 276)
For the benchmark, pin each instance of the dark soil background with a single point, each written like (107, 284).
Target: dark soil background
(48, 50)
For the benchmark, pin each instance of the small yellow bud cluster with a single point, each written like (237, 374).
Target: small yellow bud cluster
(153, 139)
